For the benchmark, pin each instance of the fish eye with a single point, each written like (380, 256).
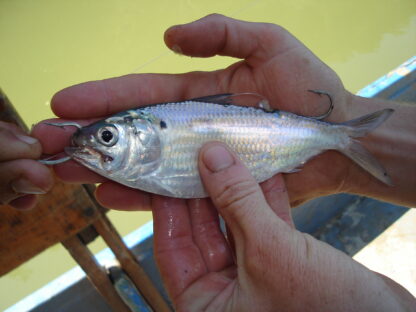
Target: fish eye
(107, 136)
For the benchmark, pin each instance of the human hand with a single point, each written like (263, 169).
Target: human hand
(275, 65)
(21, 176)
(265, 265)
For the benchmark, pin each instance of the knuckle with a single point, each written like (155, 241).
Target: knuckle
(214, 16)
(273, 30)
(236, 194)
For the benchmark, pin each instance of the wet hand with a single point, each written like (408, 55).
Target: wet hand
(264, 264)
(21, 176)
(274, 64)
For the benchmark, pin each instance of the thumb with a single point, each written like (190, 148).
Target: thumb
(233, 190)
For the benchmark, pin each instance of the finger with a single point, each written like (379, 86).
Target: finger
(116, 196)
(234, 192)
(22, 177)
(55, 139)
(73, 172)
(105, 97)
(316, 180)
(217, 34)
(11, 127)
(15, 144)
(179, 259)
(208, 236)
(276, 195)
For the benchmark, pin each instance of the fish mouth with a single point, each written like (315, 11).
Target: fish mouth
(88, 156)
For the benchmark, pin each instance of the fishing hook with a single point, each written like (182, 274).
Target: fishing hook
(48, 161)
(63, 124)
(331, 105)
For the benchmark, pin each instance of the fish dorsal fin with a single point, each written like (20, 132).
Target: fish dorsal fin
(224, 98)
(244, 99)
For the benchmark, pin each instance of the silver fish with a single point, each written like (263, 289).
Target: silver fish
(155, 148)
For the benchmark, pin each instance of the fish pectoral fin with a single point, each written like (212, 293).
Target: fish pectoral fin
(161, 187)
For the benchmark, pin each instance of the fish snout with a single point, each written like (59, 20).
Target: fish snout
(80, 138)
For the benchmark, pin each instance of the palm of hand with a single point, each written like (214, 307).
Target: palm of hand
(284, 81)
(197, 262)
(281, 69)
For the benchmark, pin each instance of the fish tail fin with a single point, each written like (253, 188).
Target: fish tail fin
(360, 127)
(364, 159)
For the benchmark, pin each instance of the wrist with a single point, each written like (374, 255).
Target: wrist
(332, 281)
(392, 144)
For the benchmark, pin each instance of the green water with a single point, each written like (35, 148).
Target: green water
(47, 45)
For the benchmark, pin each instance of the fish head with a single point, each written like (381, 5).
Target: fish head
(118, 150)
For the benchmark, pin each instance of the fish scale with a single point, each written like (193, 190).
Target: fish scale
(169, 136)
(252, 133)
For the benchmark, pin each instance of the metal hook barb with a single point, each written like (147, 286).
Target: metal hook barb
(63, 124)
(48, 161)
(331, 105)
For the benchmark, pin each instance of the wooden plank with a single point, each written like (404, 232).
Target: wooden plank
(66, 210)
(95, 272)
(8, 113)
(129, 264)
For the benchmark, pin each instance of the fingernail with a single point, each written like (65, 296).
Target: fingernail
(177, 49)
(27, 139)
(23, 186)
(217, 158)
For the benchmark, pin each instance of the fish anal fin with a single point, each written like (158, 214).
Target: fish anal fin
(293, 170)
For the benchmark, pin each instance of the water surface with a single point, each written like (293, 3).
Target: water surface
(47, 45)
